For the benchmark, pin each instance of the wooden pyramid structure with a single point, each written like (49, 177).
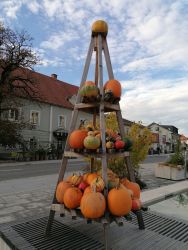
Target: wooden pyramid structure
(97, 107)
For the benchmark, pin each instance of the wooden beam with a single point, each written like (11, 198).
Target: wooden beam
(101, 115)
(72, 127)
(108, 61)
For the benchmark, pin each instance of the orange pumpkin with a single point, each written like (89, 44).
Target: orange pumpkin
(119, 201)
(88, 190)
(134, 187)
(98, 184)
(114, 86)
(60, 191)
(91, 177)
(68, 179)
(93, 205)
(76, 179)
(85, 177)
(96, 132)
(99, 26)
(76, 138)
(124, 181)
(72, 197)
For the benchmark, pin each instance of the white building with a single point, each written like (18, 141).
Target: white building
(164, 138)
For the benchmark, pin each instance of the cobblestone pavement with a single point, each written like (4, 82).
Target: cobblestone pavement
(30, 197)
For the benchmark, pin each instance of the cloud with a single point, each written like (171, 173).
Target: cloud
(164, 101)
(34, 6)
(10, 8)
(147, 40)
(58, 40)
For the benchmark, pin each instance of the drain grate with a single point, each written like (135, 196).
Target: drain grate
(161, 233)
(62, 237)
(169, 227)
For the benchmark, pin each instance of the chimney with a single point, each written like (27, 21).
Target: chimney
(54, 76)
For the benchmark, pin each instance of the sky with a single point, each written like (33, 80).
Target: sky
(147, 40)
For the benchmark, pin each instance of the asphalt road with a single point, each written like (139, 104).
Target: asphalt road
(156, 158)
(25, 170)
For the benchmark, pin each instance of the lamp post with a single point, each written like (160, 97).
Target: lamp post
(185, 160)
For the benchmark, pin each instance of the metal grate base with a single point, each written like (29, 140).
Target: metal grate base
(62, 237)
(175, 229)
(161, 233)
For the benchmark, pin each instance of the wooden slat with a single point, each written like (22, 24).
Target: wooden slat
(58, 208)
(119, 221)
(70, 154)
(73, 214)
(107, 106)
(86, 105)
(112, 107)
(104, 221)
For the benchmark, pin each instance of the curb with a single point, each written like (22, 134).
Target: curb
(28, 163)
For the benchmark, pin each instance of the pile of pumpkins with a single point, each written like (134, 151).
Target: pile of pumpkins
(112, 91)
(82, 138)
(86, 192)
(114, 141)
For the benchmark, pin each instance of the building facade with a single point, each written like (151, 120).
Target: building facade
(47, 120)
(164, 138)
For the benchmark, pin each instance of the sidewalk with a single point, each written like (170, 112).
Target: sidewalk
(16, 163)
(23, 198)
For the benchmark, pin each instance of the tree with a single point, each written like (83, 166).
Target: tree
(111, 122)
(141, 138)
(17, 60)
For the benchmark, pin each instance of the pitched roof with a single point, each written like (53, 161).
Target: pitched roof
(42, 88)
(130, 123)
(183, 138)
(54, 91)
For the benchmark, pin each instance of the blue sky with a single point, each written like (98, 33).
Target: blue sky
(148, 43)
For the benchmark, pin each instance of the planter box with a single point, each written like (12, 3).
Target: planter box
(171, 173)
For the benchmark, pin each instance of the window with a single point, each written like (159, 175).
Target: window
(61, 121)
(35, 117)
(13, 114)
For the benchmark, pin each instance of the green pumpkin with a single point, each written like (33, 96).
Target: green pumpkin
(89, 90)
(128, 143)
(91, 142)
(113, 183)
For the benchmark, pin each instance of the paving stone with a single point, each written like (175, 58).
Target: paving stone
(16, 203)
(7, 219)
(10, 210)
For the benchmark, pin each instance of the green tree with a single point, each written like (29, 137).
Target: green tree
(141, 138)
(111, 122)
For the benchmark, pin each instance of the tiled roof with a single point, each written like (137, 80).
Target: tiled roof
(47, 89)
(130, 123)
(54, 91)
